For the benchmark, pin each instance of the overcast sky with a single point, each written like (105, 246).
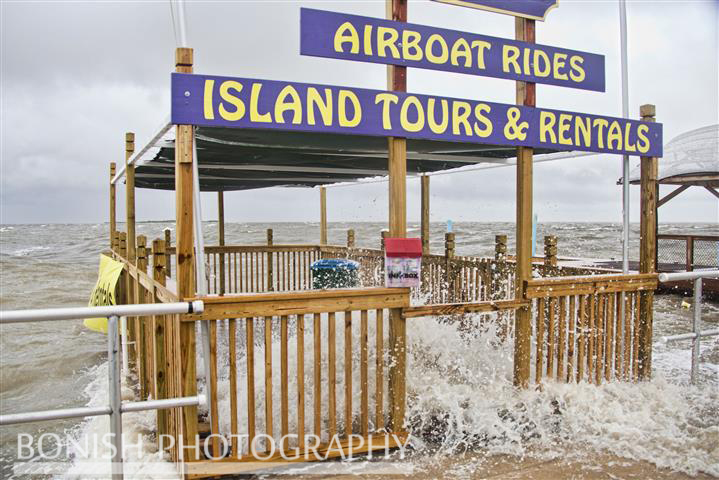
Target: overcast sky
(77, 75)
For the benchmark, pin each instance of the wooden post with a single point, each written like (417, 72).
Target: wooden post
(158, 274)
(113, 202)
(350, 238)
(221, 237)
(689, 253)
(144, 354)
(184, 255)
(116, 241)
(323, 216)
(130, 196)
(270, 262)
(550, 250)
(168, 257)
(498, 288)
(123, 244)
(526, 95)
(647, 250)
(449, 277)
(397, 166)
(424, 226)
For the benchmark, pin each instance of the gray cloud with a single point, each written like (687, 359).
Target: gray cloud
(77, 75)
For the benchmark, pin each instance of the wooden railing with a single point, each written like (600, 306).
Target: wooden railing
(318, 370)
(579, 331)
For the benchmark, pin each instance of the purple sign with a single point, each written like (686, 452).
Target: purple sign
(366, 39)
(267, 104)
(533, 9)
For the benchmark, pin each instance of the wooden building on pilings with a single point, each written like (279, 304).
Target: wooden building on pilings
(566, 325)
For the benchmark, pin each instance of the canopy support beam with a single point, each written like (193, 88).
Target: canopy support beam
(712, 191)
(671, 195)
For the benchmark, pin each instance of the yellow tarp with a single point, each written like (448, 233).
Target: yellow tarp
(104, 292)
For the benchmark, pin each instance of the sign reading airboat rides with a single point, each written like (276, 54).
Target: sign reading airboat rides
(533, 9)
(291, 106)
(366, 39)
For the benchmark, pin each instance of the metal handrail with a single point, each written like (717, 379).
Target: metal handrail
(696, 334)
(116, 406)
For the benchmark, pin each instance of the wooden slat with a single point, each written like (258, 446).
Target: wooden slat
(627, 337)
(635, 337)
(364, 414)
(268, 376)
(379, 374)
(232, 346)
(617, 337)
(540, 341)
(609, 337)
(318, 373)
(562, 338)
(551, 339)
(600, 334)
(301, 379)
(348, 373)
(296, 303)
(570, 339)
(460, 308)
(581, 337)
(250, 336)
(331, 375)
(215, 429)
(591, 340)
(284, 376)
(575, 285)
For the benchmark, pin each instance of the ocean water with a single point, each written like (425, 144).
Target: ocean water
(460, 397)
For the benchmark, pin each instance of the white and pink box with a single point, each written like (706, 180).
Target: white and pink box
(403, 262)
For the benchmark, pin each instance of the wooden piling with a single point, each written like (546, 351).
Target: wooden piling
(160, 367)
(113, 203)
(526, 95)
(323, 216)
(424, 226)
(221, 237)
(647, 250)
(397, 166)
(350, 238)
(130, 195)
(184, 255)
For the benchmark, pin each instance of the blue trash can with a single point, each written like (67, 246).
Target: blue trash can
(334, 273)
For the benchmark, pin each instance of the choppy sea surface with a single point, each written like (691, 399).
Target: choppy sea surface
(464, 380)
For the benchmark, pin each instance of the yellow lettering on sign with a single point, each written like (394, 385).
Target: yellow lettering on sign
(642, 140)
(546, 126)
(444, 49)
(559, 64)
(225, 95)
(410, 45)
(583, 127)
(367, 40)
(342, 98)
(346, 33)
(433, 125)
(460, 118)
(600, 124)
(628, 146)
(255, 115)
(576, 72)
(411, 101)
(461, 49)
(482, 48)
(294, 104)
(208, 110)
(564, 124)
(479, 113)
(541, 57)
(510, 54)
(314, 99)
(386, 99)
(614, 135)
(386, 38)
